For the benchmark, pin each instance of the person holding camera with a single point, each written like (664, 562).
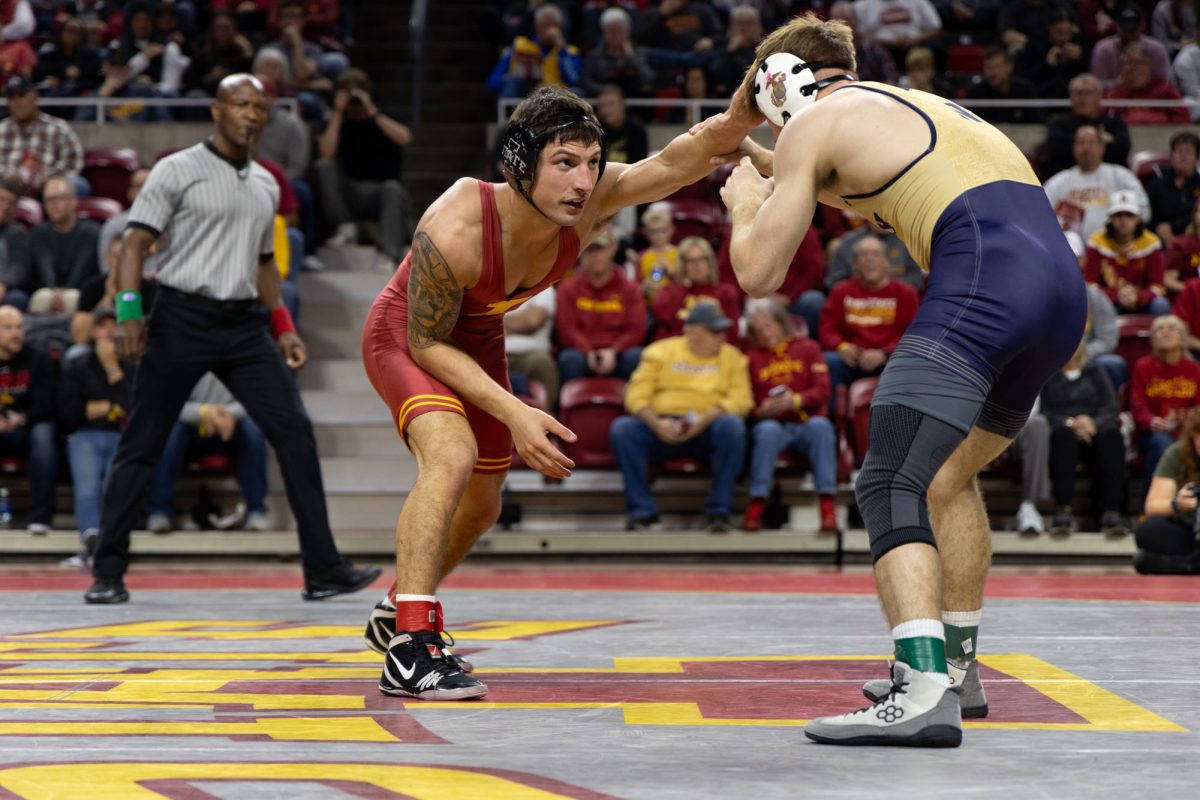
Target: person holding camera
(1167, 537)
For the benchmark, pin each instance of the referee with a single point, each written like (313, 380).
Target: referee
(215, 207)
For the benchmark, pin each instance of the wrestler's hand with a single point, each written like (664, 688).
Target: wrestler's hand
(762, 158)
(294, 351)
(531, 429)
(745, 185)
(131, 339)
(730, 127)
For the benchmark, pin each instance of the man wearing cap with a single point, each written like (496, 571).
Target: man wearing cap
(33, 145)
(688, 399)
(1131, 27)
(1126, 260)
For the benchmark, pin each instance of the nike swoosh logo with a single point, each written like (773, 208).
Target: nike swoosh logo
(404, 673)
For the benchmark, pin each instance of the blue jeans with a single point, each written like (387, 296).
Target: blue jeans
(307, 212)
(37, 444)
(572, 363)
(723, 444)
(1116, 369)
(808, 305)
(816, 438)
(248, 448)
(90, 453)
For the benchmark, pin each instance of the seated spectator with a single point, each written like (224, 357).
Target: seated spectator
(1166, 538)
(1082, 194)
(1126, 261)
(1051, 69)
(1131, 27)
(698, 282)
(999, 83)
(251, 15)
(527, 343)
(546, 59)
(1100, 333)
(616, 60)
(168, 22)
(802, 292)
(95, 396)
(212, 422)
(1183, 256)
(362, 156)
(921, 74)
(1175, 187)
(313, 70)
(1174, 24)
(874, 61)
(27, 409)
(69, 67)
(286, 140)
(1163, 388)
(64, 252)
(1081, 407)
(901, 265)
(687, 399)
(678, 34)
(1187, 308)
(1186, 68)
(694, 86)
(155, 64)
(1085, 93)
(658, 264)
(14, 247)
(1025, 23)
(601, 320)
(289, 240)
(729, 63)
(1098, 19)
(1032, 449)
(101, 292)
(1134, 82)
(898, 24)
(223, 52)
(790, 383)
(17, 23)
(320, 17)
(865, 316)
(33, 144)
(625, 136)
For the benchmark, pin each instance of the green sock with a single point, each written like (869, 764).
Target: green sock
(922, 653)
(960, 641)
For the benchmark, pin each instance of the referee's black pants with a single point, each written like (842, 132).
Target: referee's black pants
(186, 337)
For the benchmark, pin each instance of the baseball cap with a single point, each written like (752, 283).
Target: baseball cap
(603, 239)
(708, 315)
(17, 85)
(1124, 200)
(1129, 17)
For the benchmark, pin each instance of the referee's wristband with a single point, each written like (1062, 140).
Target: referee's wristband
(129, 306)
(281, 321)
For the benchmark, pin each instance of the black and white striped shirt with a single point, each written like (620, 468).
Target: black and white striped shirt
(216, 220)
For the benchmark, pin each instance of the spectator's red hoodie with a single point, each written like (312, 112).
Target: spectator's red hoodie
(594, 317)
(871, 319)
(797, 364)
(1158, 388)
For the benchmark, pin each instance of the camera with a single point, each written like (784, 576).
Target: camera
(776, 391)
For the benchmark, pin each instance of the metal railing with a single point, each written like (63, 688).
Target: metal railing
(416, 43)
(99, 104)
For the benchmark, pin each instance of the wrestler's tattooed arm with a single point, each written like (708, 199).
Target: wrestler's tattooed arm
(434, 296)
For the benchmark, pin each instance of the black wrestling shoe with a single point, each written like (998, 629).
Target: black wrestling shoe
(342, 579)
(107, 591)
(381, 627)
(416, 666)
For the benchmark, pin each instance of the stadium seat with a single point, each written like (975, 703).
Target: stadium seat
(97, 209)
(109, 170)
(965, 58)
(537, 399)
(1145, 162)
(861, 393)
(588, 407)
(1133, 337)
(211, 465)
(695, 218)
(29, 212)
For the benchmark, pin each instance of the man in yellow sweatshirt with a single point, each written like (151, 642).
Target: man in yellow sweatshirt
(687, 399)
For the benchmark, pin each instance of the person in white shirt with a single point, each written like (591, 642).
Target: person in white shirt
(527, 345)
(1080, 195)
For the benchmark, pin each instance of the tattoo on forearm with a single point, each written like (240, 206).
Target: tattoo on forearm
(434, 296)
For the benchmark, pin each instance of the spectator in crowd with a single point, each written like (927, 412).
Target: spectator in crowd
(527, 344)
(320, 17)
(678, 33)
(223, 52)
(313, 70)
(1134, 82)
(693, 84)
(1100, 334)
(289, 241)
(1131, 28)
(358, 174)
(999, 83)
(1052, 68)
(1126, 260)
(15, 255)
(874, 61)
(33, 144)
(101, 291)
(865, 316)
(615, 60)
(1081, 407)
(546, 59)
(286, 141)
(658, 264)
(1085, 94)
(698, 282)
(625, 136)
(898, 24)
(120, 81)
(1175, 187)
(901, 265)
(1098, 19)
(156, 64)
(1187, 308)
(729, 63)
(920, 73)
(64, 252)
(1173, 22)
(790, 384)
(1187, 74)
(94, 399)
(802, 292)
(1082, 194)
(687, 399)
(251, 15)
(211, 422)
(114, 226)
(1032, 449)
(168, 22)
(1166, 538)
(601, 317)
(1162, 390)
(16, 26)
(27, 401)
(1025, 23)
(1183, 256)
(70, 66)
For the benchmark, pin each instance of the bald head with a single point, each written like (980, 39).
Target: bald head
(12, 332)
(230, 85)
(240, 112)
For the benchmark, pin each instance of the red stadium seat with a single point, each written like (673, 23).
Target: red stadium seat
(588, 407)
(97, 209)
(1144, 162)
(695, 218)
(109, 170)
(861, 393)
(537, 399)
(29, 212)
(1133, 336)
(213, 464)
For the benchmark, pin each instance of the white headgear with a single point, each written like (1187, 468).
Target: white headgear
(785, 85)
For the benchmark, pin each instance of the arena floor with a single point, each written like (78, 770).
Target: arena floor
(627, 681)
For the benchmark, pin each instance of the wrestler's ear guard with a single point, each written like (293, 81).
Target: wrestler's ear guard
(784, 85)
(522, 149)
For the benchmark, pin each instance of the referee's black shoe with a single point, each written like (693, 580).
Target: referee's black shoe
(342, 579)
(106, 591)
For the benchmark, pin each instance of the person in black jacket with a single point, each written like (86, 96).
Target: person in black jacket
(1081, 407)
(27, 430)
(94, 401)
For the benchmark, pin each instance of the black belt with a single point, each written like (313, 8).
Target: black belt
(208, 302)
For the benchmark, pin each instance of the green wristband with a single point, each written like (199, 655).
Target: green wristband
(129, 306)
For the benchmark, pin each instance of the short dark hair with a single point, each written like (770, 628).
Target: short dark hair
(553, 107)
(996, 50)
(288, 4)
(11, 184)
(354, 78)
(1186, 137)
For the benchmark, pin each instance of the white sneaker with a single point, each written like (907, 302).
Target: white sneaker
(159, 523)
(1029, 520)
(38, 528)
(257, 521)
(917, 712)
(346, 233)
(312, 264)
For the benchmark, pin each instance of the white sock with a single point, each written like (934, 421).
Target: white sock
(415, 598)
(924, 628)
